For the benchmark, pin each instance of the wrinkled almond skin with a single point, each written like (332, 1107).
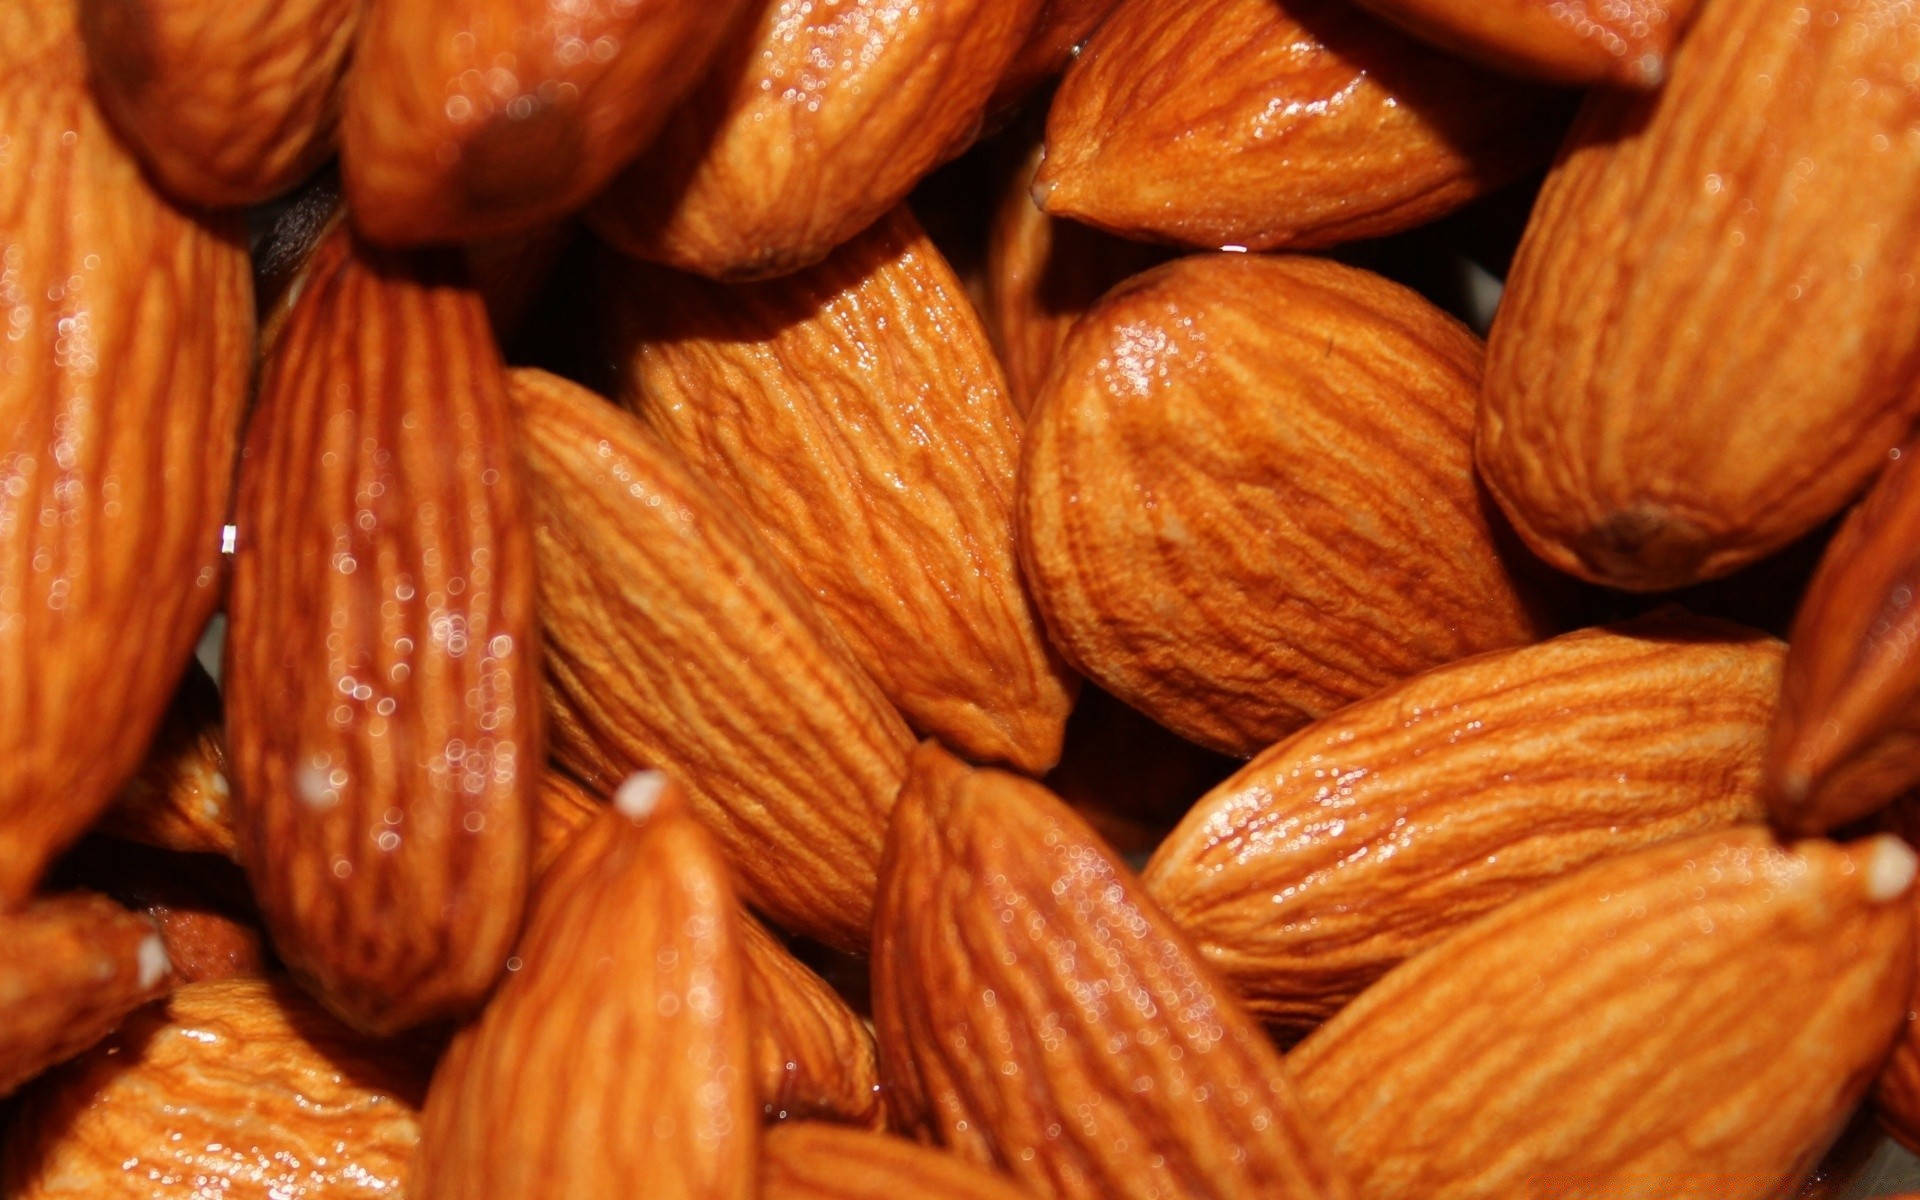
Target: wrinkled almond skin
(383, 716)
(1037, 1013)
(812, 1056)
(227, 103)
(1661, 405)
(122, 375)
(616, 1051)
(804, 1160)
(75, 965)
(808, 128)
(474, 118)
(1062, 26)
(1731, 998)
(1377, 831)
(235, 1087)
(1584, 42)
(203, 943)
(181, 799)
(1247, 496)
(856, 414)
(677, 640)
(1846, 739)
(1310, 124)
(561, 809)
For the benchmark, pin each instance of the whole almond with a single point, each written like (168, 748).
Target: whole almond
(382, 711)
(1698, 1017)
(808, 129)
(233, 1087)
(1377, 831)
(855, 413)
(804, 1160)
(1311, 123)
(180, 799)
(227, 104)
(812, 1057)
(616, 1050)
(1566, 41)
(1037, 1013)
(122, 375)
(677, 640)
(1846, 739)
(1660, 405)
(1247, 496)
(472, 118)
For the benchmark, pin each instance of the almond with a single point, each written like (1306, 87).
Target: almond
(807, 1161)
(122, 376)
(1577, 42)
(1696, 1018)
(1057, 34)
(561, 809)
(1247, 496)
(616, 1049)
(382, 710)
(1310, 124)
(1846, 739)
(227, 104)
(1377, 831)
(1037, 1013)
(202, 943)
(234, 1087)
(808, 129)
(677, 640)
(812, 1057)
(181, 800)
(855, 413)
(1660, 407)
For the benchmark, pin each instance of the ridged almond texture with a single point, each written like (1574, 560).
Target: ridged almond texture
(1567, 41)
(75, 965)
(1846, 739)
(1375, 832)
(1247, 496)
(677, 640)
(383, 713)
(1277, 123)
(1710, 337)
(808, 129)
(227, 102)
(235, 1088)
(812, 1056)
(470, 118)
(122, 373)
(613, 1061)
(203, 943)
(561, 809)
(856, 414)
(1038, 1014)
(1697, 1018)
(1062, 26)
(181, 800)
(808, 1161)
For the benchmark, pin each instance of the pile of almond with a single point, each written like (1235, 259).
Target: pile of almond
(864, 599)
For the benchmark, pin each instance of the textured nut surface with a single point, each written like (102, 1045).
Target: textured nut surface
(1567, 41)
(181, 799)
(803, 1160)
(812, 1056)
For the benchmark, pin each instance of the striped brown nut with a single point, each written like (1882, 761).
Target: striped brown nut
(1568, 41)
(809, 1161)
(812, 1057)
(181, 799)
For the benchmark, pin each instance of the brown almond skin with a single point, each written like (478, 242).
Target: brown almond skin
(227, 104)
(181, 799)
(1247, 496)
(804, 1160)
(812, 1056)
(1377, 831)
(122, 375)
(1311, 124)
(561, 809)
(235, 1087)
(1660, 405)
(1582, 43)
(855, 413)
(383, 716)
(475, 118)
(677, 640)
(1731, 998)
(1038, 1014)
(1846, 739)
(775, 158)
(1060, 29)
(203, 943)
(616, 1051)
(76, 964)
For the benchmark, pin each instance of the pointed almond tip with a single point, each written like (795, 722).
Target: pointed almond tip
(1887, 868)
(639, 796)
(1650, 69)
(151, 962)
(1042, 189)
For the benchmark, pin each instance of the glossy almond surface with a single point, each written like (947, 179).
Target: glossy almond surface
(805, 1160)
(677, 640)
(1060, 29)
(1710, 338)
(1247, 496)
(383, 716)
(1568, 41)
(856, 414)
(812, 1056)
